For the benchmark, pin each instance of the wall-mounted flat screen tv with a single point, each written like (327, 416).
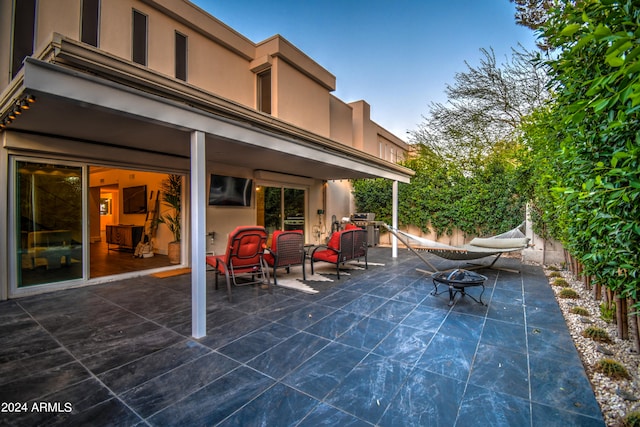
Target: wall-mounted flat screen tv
(134, 200)
(230, 191)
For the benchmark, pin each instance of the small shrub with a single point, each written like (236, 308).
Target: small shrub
(555, 274)
(568, 293)
(612, 369)
(596, 334)
(607, 312)
(553, 268)
(559, 281)
(580, 310)
(632, 419)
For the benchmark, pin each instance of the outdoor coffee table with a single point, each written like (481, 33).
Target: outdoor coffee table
(457, 280)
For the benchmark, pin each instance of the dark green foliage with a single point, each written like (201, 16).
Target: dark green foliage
(607, 312)
(555, 274)
(171, 189)
(632, 419)
(596, 334)
(374, 195)
(585, 146)
(485, 202)
(612, 369)
(467, 150)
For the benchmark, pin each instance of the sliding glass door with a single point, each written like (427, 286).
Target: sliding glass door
(48, 222)
(280, 208)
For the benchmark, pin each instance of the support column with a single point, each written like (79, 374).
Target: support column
(4, 227)
(198, 236)
(394, 219)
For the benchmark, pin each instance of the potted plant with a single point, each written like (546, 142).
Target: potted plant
(171, 189)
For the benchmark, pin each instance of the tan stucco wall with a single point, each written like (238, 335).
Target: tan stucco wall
(216, 69)
(61, 16)
(369, 141)
(161, 42)
(220, 61)
(299, 100)
(341, 121)
(223, 219)
(361, 112)
(115, 27)
(371, 138)
(340, 201)
(5, 40)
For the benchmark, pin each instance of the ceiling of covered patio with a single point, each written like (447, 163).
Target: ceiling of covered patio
(81, 108)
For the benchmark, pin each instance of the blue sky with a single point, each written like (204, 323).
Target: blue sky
(398, 55)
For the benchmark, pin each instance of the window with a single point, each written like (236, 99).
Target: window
(24, 23)
(181, 56)
(139, 44)
(90, 19)
(264, 92)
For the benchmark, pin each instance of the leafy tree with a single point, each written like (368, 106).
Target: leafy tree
(541, 168)
(468, 153)
(595, 123)
(485, 108)
(533, 13)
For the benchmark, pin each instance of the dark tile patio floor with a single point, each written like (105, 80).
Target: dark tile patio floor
(374, 348)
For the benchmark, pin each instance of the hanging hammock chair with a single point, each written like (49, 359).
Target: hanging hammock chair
(511, 241)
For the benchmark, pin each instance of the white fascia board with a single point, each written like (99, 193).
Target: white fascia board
(82, 88)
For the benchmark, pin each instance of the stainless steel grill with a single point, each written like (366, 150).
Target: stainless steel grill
(366, 222)
(294, 223)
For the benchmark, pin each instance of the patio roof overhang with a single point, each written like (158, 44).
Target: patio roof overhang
(113, 106)
(85, 95)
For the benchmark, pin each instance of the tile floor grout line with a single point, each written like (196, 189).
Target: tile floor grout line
(91, 374)
(475, 353)
(411, 367)
(367, 354)
(275, 380)
(145, 320)
(526, 344)
(175, 402)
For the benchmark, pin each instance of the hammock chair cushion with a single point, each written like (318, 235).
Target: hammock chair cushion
(501, 243)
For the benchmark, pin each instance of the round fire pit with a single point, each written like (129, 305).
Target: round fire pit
(457, 280)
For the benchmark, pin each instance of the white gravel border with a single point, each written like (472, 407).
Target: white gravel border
(616, 397)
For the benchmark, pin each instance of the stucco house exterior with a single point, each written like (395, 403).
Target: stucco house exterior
(101, 100)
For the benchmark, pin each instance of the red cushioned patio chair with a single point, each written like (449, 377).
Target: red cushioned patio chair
(343, 246)
(243, 257)
(287, 249)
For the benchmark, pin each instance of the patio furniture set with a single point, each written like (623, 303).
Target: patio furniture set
(248, 256)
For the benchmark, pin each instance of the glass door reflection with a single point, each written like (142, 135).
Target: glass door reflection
(48, 212)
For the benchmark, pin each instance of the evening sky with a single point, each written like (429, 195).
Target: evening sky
(398, 55)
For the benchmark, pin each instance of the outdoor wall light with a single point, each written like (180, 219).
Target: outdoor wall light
(20, 105)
